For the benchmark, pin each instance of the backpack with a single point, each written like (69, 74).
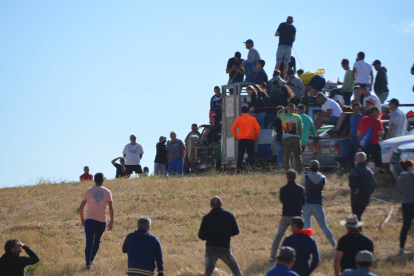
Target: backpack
(366, 138)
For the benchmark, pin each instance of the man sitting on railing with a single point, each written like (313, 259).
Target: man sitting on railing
(330, 111)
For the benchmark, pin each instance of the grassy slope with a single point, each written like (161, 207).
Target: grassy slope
(45, 217)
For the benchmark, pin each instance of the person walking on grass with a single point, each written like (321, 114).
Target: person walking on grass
(364, 261)
(86, 176)
(292, 197)
(305, 246)
(97, 198)
(405, 184)
(217, 227)
(314, 183)
(120, 168)
(350, 244)
(285, 260)
(133, 154)
(143, 250)
(11, 263)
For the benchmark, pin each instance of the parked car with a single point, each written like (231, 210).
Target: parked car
(332, 153)
(390, 145)
(405, 151)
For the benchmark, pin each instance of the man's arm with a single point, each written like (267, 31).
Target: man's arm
(140, 156)
(234, 228)
(113, 161)
(353, 181)
(81, 209)
(202, 232)
(294, 37)
(125, 246)
(302, 88)
(372, 77)
(337, 262)
(256, 128)
(111, 215)
(312, 129)
(234, 127)
(380, 133)
(327, 113)
(391, 130)
(354, 70)
(315, 257)
(158, 258)
(32, 259)
(300, 133)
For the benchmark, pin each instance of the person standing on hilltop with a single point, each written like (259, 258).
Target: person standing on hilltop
(133, 154)
(120, 168)
(97, 197)
(86, 176)
(217, 228)
(287, 34)
(175, 155)
(11, 263)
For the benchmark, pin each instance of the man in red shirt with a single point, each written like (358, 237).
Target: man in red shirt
(373, 148)
(86, 175)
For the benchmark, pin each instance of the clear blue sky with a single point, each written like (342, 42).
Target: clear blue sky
(78, 77)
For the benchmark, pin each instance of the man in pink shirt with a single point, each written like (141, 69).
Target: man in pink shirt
(97, 197)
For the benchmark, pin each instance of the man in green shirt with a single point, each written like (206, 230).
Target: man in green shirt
(307, 126)
(292, 133)
(348, 84)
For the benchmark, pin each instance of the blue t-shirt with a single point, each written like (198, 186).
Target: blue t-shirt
(354, 125)
(357, 272)
(286, 32)
(280, 270)
(261, 77)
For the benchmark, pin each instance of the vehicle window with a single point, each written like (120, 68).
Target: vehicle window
(411, 132)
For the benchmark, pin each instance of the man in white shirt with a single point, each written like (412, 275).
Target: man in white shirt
(249, 64)
(330, 111)
(398, 120)
(369, 95)
(362, 71)
(133, 154)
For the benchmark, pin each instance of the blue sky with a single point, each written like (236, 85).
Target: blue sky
(78, 77)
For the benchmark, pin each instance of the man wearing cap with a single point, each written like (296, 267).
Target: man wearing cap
(285, 260)
(120, 168)
(296, 85)
(133, 154)
(143, 250)
(362, 71)
(217, 228)
(249, 64)
(350, 244)
(305, 246)
(398, 120)
(369, 95)
(364, 262)
(234, 69)
(381, 81)
(287, 34)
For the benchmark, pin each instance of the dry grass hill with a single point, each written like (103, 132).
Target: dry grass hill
(45, 217)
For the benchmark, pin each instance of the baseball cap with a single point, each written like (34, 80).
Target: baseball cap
(364, 85)
(314, 163)
(364, 256)
(394, 101)
(249, 41)
(376, 62)
(287, 252)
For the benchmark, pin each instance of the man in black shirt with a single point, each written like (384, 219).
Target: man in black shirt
(350, 244)
(11, 263)
(234, 69)
(286, 33)
(217, 227)
(277, 127)
(292, 66)
(120, 168)
(292, 197)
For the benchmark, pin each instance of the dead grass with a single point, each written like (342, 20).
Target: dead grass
(45, 216)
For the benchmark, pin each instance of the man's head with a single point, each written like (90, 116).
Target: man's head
(12, 246)
(296, 224)
(215, 202)
(132, 138)
(314, 165)
(345, 64)
(286, 256)
(374, 111)
(299, 72)
(406, 164)
(144, 223)
(364, 259)
(217, 90)
(393, 104)
(173, 135)
(321, 98)
(249, 44)
(244, 109)
(291, 175)
(237, 57)
(357, 92)
(385, 109)
(370, 103)
(290, 74)
(280, 107)
(365, 89)
(356, 108)
(163, 139)
(360, 157)
(122, 160)
(276, 73)
(86, 169)
(291, 108)
(351, 222)
(276, 83)
(289, 19)
(99, 179)
(194, 128)
(301, 109)
(360, 56)
(377, 64)
(260, 64)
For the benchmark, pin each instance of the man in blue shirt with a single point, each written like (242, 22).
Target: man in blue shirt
(353, 138)
(286, 33)
(285, 260)
(261, 76)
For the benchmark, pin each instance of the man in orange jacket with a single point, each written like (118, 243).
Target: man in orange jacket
(249, 130)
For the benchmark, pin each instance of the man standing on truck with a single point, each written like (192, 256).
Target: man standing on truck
(249, 130)
(249, 65)
(362, 71)
(287, 34)
(398, 120)
(234, 69)
(292, 133)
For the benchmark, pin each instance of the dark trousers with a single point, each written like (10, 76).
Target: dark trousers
(352, 150)
(93, 232)
(408, 216)
(358, 209)
(213, 253)
(347, 97)
(245, 145)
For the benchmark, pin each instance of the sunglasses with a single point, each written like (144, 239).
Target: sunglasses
(133, 138)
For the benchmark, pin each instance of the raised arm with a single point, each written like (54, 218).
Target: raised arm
(113, 161)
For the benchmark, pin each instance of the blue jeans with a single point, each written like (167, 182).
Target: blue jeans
(283, 53)
(332, 120)
(352, 150)
(317, 211)
(279, 151)
(93, 232)
(175, 167)
(250, 70)
(260, 119)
